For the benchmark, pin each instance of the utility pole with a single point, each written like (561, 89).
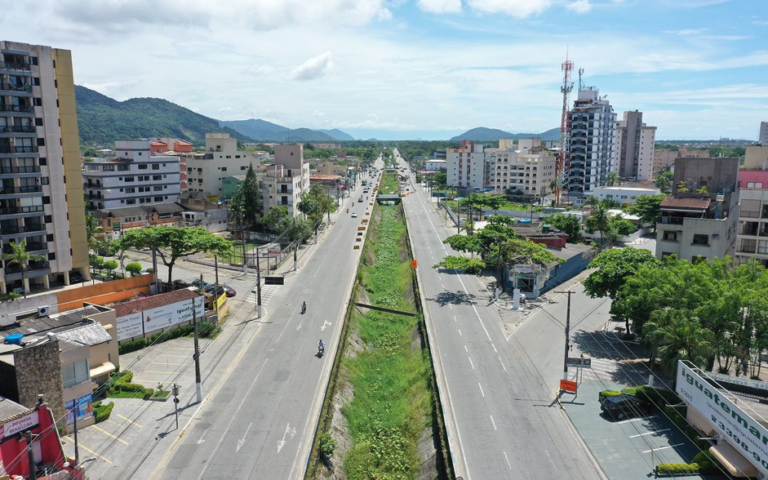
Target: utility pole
(31, 457)
(77, 446)
(245, 264)
(295, 248)
(216, 286)
(258, 281)
(175, 391)
(198, 380)
(458, 216)
(567, 334)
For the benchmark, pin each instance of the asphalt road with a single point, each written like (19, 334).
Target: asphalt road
(500, 395)
(261, 423)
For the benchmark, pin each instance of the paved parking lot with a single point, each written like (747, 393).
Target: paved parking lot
(626, 449)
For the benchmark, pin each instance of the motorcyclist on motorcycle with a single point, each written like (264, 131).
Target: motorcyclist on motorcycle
(321, 346)
(303, 307)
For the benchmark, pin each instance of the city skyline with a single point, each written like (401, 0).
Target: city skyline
(422, 69)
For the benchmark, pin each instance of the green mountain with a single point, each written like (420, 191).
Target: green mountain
(102, 120)
(264, 131)
(482, 134)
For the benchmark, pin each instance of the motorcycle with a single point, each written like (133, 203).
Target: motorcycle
(347, 210)
(304, 308)
(320, 350)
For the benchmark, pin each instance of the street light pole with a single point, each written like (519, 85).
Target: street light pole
(258, 281)
(198, 377)
(567, 334)
(295, 248)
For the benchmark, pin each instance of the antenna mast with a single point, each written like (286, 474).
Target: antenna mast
(562, 160)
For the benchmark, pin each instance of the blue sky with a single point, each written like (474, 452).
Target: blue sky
(419, 68)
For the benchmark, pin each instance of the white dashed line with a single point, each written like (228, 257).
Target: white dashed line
(471, 363)
(494, 423)
(494, 347)
(505, 456)
(460, 333)
(481, 387)
(466, 349)
(502, 363)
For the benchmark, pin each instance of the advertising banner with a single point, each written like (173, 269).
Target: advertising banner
(184, 310)
(20, 424)
(84, 409)
(129, 326)
(736, 426)
(173, 314)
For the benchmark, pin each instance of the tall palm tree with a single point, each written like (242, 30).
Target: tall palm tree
(21, 257)
(674, 336)
(601, 219)
(94, 233)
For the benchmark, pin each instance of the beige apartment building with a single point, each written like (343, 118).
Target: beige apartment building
(527, 168)
(283, 182)
(666, 158)
(756, 158)
(41, 194)
(634, 141)
(221, 159)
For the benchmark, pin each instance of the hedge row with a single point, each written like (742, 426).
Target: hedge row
(101, 412)
(677, 468)
(123, 384)
(206, 330)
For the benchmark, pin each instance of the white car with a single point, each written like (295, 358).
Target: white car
(354, 214)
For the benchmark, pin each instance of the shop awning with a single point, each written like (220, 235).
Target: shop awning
(104, 368)
(733, 461)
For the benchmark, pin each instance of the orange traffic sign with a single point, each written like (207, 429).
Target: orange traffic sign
(414, 264)
(568, 386)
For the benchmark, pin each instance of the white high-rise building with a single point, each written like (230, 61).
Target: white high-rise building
(634, 147)
(467, 166)
(591, 143)
(41, 189)
(763, 137)
(524, 170)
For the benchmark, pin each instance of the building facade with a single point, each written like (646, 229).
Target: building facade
(42, 189)
(756, 157)
(762, 137)
(135, 177)
(466, 166)
(700, 226)
(283, 182)
(634, 147)
(523, 173)
(591, 143)
(624, 194)
(221, 159)
(752, 239)
(666, 158)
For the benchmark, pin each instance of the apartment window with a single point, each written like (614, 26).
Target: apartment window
(156, 166)
(38, 102)
(124, 168)
(75, 373)
(143, 167)
(42, 161)
(762, 246)
(40, 142)
(49, 237)
(158, 199)
(131, 201)
(38, 122)
(223, 169)
(48, 219)
(52, 256)
(700, 239)
(128, 179)
(243, 168)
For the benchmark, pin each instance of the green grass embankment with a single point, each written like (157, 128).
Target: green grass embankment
(391, 406)
(390, 185)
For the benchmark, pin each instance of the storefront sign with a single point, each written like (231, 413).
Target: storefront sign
(740, 430)
(129, 326)
(170, 315)
(84, 409)
(745, 381)
(19, 425)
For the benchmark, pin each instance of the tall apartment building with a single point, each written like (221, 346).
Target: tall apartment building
(666, 158)
(221, 159)
(135, 177)
(284, 181)
(178, 148)
(634, 147)
(521, 170)
(699, 226)
(42, 190)
(752, 239)
(762, 137)
(467, 166)
(591, 143)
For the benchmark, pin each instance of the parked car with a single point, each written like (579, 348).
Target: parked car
(199, 283)
(211, 287)
(231, 292)
(624, 406)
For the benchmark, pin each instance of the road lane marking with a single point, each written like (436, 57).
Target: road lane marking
(663, 448)
(494, 423)
(80, 444)
(471, 363)
(550, 459)
(110, 435)
(460, 333)
(201, 440)
(494, 348)
(281, 443)
(649, 433)
(466, 349)
(168, 363)
(505, 456)
(631, 420)
(158, 372)
(481, 389)
(450, 306)
(454, 318)
(129, 421)
(241, 442)
(502, 363)
(175, 356)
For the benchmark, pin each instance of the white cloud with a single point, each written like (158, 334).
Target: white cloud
(260, 70)
(686, 31)
(384, 15)
(579, 6)
(314, 68)
(514, 8)
(440, 6)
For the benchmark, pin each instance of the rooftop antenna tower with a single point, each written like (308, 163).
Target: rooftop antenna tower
(562, 159)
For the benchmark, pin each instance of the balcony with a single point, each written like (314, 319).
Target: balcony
(31, 247)
(672, 220)
(16, 88)
(21, 189)
(17, 108)
(15, 229)
(14, 66)
(11, 269)
(18, 149)
(19, 210)
(19, 129)
(21, 169)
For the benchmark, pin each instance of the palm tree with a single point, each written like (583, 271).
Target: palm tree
(612, 179)
(601, 219)
(674, 336)
(21, 257)
(94, 233)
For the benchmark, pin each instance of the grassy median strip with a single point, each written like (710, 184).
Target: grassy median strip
(391, 406)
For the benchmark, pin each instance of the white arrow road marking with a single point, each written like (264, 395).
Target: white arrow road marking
(202, 436)
(288, 431)
(326, 324)
(241, 442)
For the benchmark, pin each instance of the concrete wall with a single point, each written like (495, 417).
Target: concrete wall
(756, 157)
(103, 293)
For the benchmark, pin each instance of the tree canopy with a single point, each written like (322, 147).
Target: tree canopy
(648, 208)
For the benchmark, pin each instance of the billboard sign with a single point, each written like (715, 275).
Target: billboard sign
(579, 362)
(84, 409)
(130, 326)
(173, 314)
(739, 429)
(19, 425)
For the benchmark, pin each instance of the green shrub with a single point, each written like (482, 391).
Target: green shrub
(327, 447)
(707, 463)
(658, 396)
(607, 394)
(677, 468)
(102, 412)
(134, 268)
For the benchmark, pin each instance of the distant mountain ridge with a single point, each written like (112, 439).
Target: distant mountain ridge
(483, 134)
(103, 120)
(264, 131)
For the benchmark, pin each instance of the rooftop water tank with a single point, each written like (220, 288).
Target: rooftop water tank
(14, 338)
